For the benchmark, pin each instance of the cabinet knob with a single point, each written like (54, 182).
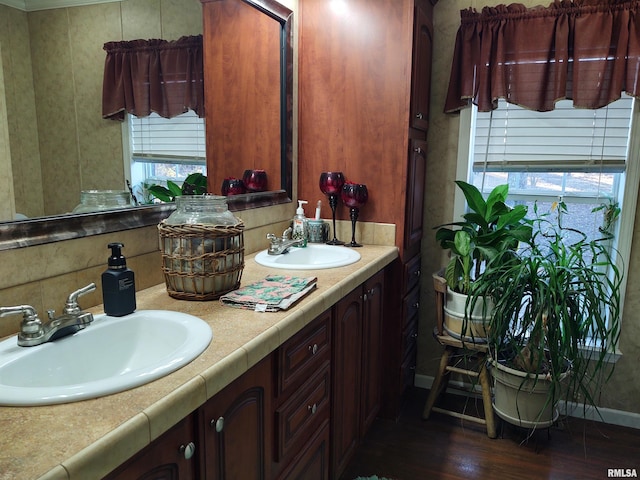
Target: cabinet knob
(218, 424)
(312, 408)
(419, 116)
(418, 150)
(414, 335)
(365, 297)
(416, 305)
(188, 450)
(417, 273)
(313, 348)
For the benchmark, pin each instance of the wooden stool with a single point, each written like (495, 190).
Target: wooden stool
(448, 364)
(452, 347)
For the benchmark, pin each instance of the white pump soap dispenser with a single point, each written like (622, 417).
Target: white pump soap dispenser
(300, 229)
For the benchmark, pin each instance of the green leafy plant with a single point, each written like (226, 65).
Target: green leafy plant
(194, 184)
(490, 228)
(557, 308)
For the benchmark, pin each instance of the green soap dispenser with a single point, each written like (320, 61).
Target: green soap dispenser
(299, 226)
(118, 284)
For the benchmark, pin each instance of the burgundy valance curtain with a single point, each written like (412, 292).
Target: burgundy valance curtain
(584, 50)
(161, 76)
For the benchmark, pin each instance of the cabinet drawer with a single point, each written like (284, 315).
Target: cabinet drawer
(313, 461)
(409, 367)
(301, 356)
(412, 273)
(410, 308)
(300, 416)
(409, 337)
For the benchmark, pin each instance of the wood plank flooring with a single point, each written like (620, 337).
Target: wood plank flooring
(444, 448)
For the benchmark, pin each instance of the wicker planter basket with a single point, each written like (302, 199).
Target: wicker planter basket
(201, 262)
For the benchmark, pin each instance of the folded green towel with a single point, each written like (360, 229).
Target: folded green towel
(275, 292)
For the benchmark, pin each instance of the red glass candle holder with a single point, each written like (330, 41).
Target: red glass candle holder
(255, 180)
(233, 186)
(331, 185)
(354, 196)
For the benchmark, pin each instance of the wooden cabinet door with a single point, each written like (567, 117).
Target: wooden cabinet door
(415, 197)
(238, 429)
(346, 374)
(371, 350)
(172, 456)
(421, 71)
(313, 461)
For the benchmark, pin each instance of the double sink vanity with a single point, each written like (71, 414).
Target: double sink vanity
(204, 352)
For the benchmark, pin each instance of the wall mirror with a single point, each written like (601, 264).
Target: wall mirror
(67, 170)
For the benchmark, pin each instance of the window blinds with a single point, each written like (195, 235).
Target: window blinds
(180, 139)
(567, 139)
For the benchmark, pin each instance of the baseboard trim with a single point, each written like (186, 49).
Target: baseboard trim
(606, 415)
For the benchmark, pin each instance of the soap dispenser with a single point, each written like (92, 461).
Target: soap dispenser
(118, 284)
(300, 229)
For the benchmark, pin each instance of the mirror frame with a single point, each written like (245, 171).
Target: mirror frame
(42, 230)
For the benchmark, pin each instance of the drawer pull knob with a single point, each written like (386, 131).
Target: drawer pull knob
(313, 348)
(218, 424)
(313, 408)
(416, 305)
(188, 450)
(414, 335)
(417, 273)
(419, 115)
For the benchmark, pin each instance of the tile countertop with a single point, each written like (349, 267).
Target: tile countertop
(88, 439)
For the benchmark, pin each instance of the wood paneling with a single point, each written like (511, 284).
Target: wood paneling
(354, 83)
(242, 85)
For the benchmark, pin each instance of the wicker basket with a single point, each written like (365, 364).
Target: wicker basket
(201, 262)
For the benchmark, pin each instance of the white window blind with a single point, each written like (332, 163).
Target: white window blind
(566, 139)
(159, 140)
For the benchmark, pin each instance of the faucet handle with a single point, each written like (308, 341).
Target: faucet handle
(72, 306)
(31, 326)
(271, 237)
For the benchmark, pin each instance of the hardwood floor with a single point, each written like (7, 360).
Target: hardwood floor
(444, 448)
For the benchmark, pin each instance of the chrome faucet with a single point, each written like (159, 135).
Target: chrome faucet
(34, 332)
(278, 246)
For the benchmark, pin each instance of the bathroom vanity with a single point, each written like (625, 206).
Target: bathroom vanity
(275, 395)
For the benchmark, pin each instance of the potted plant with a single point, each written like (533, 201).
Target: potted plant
(490, 230)
(555, 320)
(194, 184)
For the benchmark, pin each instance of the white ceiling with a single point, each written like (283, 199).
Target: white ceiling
(33, 5)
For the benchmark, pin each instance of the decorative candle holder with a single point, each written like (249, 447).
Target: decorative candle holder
(255, 180)
(354, 196)
(233, 186)
(331, 185)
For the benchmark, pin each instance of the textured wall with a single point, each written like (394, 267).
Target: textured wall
(55, 59)
(623, 390)
(21, 112)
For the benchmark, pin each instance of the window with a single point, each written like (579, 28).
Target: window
(161, 149)
(578, 156)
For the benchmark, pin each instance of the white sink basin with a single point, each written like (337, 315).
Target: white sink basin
(111, 355)
(314, 256)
